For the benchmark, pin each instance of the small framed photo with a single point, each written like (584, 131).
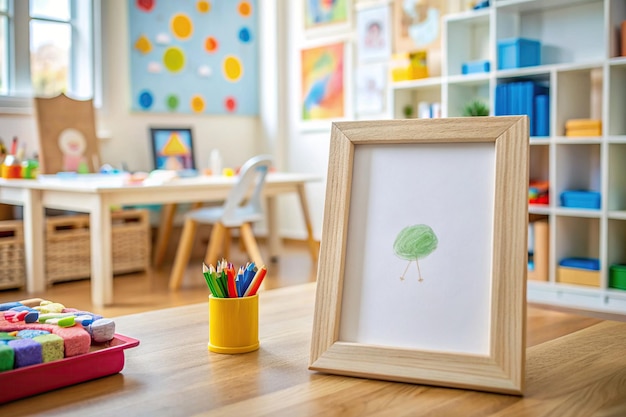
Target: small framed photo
(422, 269)
(371, 87)
(172, 148)
(374, 34)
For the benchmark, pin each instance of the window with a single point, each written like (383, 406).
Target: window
(47, 48)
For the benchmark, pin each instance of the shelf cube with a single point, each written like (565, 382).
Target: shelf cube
(518, 52)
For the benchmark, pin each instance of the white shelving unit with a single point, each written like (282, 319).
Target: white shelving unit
(586, 79)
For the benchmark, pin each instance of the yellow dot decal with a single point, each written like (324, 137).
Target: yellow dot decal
(182, 27)
(143, 44)
(203, 6)
(197, 103)
(174, 59)
(245, 9)
(232, 68)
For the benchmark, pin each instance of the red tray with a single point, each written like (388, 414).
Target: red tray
(107, 359)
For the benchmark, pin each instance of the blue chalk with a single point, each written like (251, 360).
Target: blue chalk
(31, 333)
(9, 305)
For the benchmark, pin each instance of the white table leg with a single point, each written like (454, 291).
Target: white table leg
(34, 237)
(101, 254)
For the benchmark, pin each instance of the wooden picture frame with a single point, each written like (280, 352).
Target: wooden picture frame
(465, 338)
(172, 148)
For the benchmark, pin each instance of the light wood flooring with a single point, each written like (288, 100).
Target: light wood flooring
(138, 292)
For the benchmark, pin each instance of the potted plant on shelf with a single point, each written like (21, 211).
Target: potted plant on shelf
(476, 108)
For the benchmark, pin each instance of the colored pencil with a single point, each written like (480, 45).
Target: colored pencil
(256, 282)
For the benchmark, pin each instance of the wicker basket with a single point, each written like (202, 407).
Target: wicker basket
(12, 269)
(68, 251)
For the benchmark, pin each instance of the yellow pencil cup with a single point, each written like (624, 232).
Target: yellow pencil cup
(233, 324)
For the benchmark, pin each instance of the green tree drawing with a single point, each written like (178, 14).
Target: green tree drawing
(414, 243)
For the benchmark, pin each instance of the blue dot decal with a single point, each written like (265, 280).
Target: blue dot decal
(145, 99)
(244, 35)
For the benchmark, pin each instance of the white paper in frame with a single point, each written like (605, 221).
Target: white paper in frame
(422, 270)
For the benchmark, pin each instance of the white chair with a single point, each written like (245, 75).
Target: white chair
(240, 210)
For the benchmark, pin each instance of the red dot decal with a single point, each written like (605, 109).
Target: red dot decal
(210, 44)
(145, 5)
(231, 104)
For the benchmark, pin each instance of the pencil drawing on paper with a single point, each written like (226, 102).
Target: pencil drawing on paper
(414, 243)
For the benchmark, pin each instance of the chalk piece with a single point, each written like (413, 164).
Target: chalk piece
(6, 336)
(31, 317)
(51, 347)
(31, 333)
(27, 352)
(7, 306)
(102, 330)
(7, 357)
(66, 321)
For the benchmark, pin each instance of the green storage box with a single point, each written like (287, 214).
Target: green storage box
(617, 277)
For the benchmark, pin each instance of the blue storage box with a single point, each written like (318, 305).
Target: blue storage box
(518, 52)
(591, 264)
(474, 67)
(580, 199)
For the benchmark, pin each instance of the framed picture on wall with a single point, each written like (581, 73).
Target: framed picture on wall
(417, 26)
(422, 269)
(172, 148)
(323, 17)
(373, 33)
(324, 91)
(371, 87)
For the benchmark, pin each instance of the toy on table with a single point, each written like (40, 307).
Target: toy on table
(37, 331)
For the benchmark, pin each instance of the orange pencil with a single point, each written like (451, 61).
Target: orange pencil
(256, 282)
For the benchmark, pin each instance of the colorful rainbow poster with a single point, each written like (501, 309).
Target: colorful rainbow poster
(194, 56)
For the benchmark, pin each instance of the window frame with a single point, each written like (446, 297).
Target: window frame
(85, 59)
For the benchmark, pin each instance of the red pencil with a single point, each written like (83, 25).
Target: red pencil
(256, 282)
(232, 288)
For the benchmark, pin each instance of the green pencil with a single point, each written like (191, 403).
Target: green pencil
(207, 278)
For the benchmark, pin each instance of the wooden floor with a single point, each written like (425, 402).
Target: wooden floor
(138, 292)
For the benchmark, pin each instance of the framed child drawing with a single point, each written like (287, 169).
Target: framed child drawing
(422, 268)
(172, 148)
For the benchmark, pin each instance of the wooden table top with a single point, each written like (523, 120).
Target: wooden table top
(569, 372)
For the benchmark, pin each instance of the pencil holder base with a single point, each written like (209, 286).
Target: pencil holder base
(242, 349)
(233, 324)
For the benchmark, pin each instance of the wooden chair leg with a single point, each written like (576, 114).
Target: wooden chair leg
(183, 252)
(251, 246)
(163, 233)
(215, 241)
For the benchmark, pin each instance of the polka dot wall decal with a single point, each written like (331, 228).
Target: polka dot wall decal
(230, 103)
(244, 35)
(245, 8)
(143, 44)
(172, 102)
(210, 44)
(203, 6)
(197, 103)
(232, 68)
(174, 59)
(145, 99)
(182, 26)
(145, 5)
